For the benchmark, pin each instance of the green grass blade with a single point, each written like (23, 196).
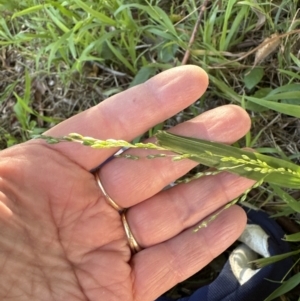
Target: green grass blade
(155, 13)
(157, 30)
(6, 32)
(292, 237)
(285, 95)
(99, 16)
(231, 36)
(291, 74)
(27, 87)
(119, 55)
(30, 10)
(288, 109)
(58, 46)
(294, 204)
(285, 287)
(97, 44)
(224, 157)
(228, 14)
(228, 92)
(263, 262)
(22, 110)
(284, 88)
(66, 12)
(54, 17)
(209, 26)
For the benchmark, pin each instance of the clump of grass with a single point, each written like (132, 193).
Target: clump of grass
(101, 48)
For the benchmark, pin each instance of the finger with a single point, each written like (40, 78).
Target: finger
(168, 213)
(131, 113)
(158, 268)
(143, 178)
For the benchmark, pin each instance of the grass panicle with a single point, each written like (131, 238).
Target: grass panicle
(240, 162)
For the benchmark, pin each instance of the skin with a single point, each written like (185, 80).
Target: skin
(60, 240)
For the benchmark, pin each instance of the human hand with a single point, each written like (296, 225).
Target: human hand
(61, 240)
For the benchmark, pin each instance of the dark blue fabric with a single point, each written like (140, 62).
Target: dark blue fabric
(227, 288)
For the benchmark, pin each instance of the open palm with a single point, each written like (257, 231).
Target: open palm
(61, 240)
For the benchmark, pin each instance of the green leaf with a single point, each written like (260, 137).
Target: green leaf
(284, 88)
(295, 59)
(120, 56)
(228, 92)
(97, 44)
(99, 16)
(143, 74)
(285, 287)
(261, 93)
(30, 10)
(284, 95)
(291, 74)
(233, 29)
(288, 109)
(155, 13)
(54, 17)
(253, 77)
(57, 46)
(168, 52)
(292, 237)
(224, 157)
(21, 110)
(283, 212)
(289, 93)
(294, 204)
(157, 30)
(228, 13)
(263, 262)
